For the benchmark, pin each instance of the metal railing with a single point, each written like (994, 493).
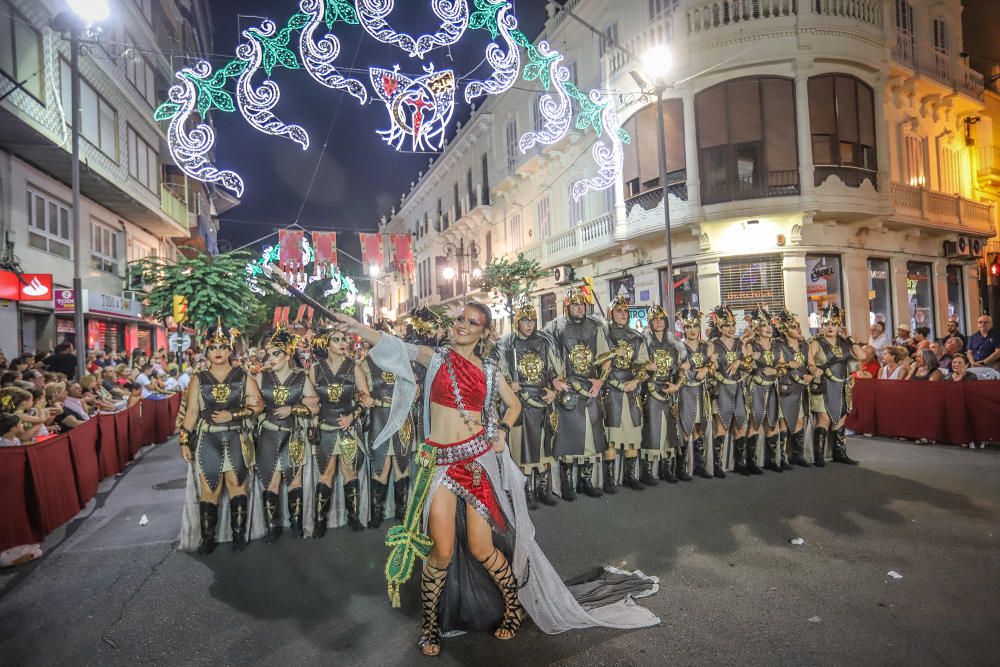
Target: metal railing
(851, 176)
(650, 199)
(174, 206)
(988, 163)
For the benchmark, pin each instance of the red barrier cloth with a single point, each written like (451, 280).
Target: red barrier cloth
(16, 527)
(83, 448)
(107, 451)
(982, 408)
(121, 438)
(175, 408)
(149, 415)
(55, 484)
(910, 408)
(164, 423)
(862, 417)
(135, 434)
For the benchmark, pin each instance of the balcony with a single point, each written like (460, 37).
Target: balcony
(850, 176)
(651, 199)
(778, 183)
(936, 210)
(988, 167)
(173, 205)
(580, 241)
(938, 66)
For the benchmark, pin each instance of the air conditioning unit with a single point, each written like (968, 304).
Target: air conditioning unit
(976, 247)
(962, 246)
(133, 295)
(563, 274)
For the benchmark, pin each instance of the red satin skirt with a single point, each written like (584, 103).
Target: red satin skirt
(466, 478)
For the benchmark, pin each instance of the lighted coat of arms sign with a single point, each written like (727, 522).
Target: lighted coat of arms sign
(419, 109)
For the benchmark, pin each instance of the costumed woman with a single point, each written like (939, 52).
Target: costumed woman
(467, 503)
(282, 435)
(660, 441)
(763, 382)
(693, 404)
(339, 384)
(793, 387)
(730, 404)
(217, 439)
(829, 354)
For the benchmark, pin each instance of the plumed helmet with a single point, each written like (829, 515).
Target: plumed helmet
(219, 334)
(723, 316)
(689, 316)
(832, 315)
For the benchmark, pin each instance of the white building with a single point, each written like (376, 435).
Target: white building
(819, 151)
(133, 202)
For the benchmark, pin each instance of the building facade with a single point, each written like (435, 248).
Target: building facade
(134, 202)
(817, 152)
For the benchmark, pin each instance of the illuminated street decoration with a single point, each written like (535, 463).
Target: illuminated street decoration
(418, 108)
(268, 262)
(318, 55)
(454, 15)
(495, 16)
(556, 115)
(609, 160)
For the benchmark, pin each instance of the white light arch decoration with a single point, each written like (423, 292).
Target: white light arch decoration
(318, 55)
(454, 15)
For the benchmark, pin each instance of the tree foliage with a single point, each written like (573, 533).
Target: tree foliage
(510, 280)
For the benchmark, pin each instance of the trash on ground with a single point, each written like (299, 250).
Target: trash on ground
(797, 541)
(19, 555)
(144, 520)
(815, 619)
(894, 574)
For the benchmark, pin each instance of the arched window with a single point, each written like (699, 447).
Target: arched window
(641, 171)
(746, 139)
(842, 122)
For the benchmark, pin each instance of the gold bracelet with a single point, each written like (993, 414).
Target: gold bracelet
(301, 411)
(242, 413)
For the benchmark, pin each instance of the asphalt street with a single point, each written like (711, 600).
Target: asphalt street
(734, 590)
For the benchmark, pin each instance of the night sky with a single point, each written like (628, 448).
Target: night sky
(359, 177)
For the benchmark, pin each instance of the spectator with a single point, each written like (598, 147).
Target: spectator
(3, 360)
(903, 336)
(63, 361)
(109, 383)
(102, 400)
(984, 345)
(894, 363)
(134, 393)
(76, 402)
(921, 334)
(171, 383)
(954, 345)
(951, 328)
(878, 338)
(147, 380)
(869, 365)
(34, 377)
(8, 378)
(9, 427)
(185, 379)
(55, 394)
(960, 370)
(926, 367)
(20, 365)
(944, 361)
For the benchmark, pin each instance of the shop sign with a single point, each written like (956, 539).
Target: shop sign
(65, 301)
(110, 304)
(31, 286)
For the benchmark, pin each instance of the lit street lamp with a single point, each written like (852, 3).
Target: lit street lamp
(467, 261)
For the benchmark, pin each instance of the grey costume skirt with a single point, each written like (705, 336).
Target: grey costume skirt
(764, 404)
(731, 405)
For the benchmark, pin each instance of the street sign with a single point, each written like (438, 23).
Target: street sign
(185, 342)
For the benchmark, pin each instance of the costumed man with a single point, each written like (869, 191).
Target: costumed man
(339, 384)
(582, 346)
(391, 455)
(661, 442)
(793, 387)
(217, 439)
(693, 402)
(282, 436)
(529, 364)
(623, 395)
(730, 403)
(829, 354)
(763, 383)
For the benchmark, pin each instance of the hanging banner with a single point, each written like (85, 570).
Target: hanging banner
(277, 316)
(371, 251)
(301, 312)
(324, 249)
(402, 253)
(290, 242)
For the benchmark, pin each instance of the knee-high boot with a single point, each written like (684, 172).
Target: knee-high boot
(718, 446)
(566, 481)
(323, 495)
(272, 516)
(401, 497)
(700, 459)
(819, 447)
(543, 487)
(352, 499)
(681, 464)
(529, 490)
(586, 480)
(647, 477)
(751, 450)
(431, 586)
(379, 492)
(208, 515)
(238, 521)
(668, 466)
(785, 448)
(772, 456)
(295, 511)
(840, 447)
(630, 477)
(513, 613)
(609, 477)
(740, 466)
(798, 440)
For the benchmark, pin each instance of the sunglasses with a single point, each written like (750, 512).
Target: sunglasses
(471, 321)
(218, 348)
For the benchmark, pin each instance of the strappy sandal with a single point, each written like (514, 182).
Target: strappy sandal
(513, 613)
(431, 586)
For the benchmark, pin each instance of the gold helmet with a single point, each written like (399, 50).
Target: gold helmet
(689, 316)
(219, 334)
(283, 340)
(758, 316)
(656, 311)
(576, 295)
(832, 315)
(621, 300)
(322, 338)
(525, 311)
(723, 316)
(423, 320)
(783, 320)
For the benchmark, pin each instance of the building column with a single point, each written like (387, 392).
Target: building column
(900, 297)
(693, 176)
(970, 286)
(804, 134)
(854, 273)
(940, 278)
(793, 271)
(709, 283)
(882, 138)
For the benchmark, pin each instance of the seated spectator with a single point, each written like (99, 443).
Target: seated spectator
(926, 367)
(894, 365)
(185, 379)
(9, 427)
(984, 345)
(103, 401)
(869, 365)
(122, 376)
(953, 345)
(19, 365)
(55, 394)
(147, 380)
(8, 378)
(77, 401)
(134, 393)
(951, 331)
(878, 338)
(960, 370)
(921, 334)
(944, 360)
(34, 377)
(171, 382)
(903, 336)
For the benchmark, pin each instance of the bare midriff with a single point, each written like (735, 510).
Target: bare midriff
(448, 425)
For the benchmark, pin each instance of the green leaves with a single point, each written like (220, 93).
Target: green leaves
(166, 111)
(210, 92)
(485, 18)
(275, 49)
(340, 10)
(512, 279)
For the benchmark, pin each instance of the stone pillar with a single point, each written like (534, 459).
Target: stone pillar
(854, 273)
(709, 283)
(793, 270)
(804, 136)
(900, 297)
(940, 278)
(691, 149)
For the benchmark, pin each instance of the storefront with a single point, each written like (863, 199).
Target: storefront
(107, 318)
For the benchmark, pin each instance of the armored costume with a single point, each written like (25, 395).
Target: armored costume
(793, 391)
(380, 384)
(623, 409)
(832, 393)
(693, 402)
(661, 441)
(763, 386)
(729, 396)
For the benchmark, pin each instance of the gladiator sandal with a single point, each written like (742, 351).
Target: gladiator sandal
(700, 459)
(667, 463)
(798, 440)
(238, 521)
(631, 480)
(513, 613)
(379, 493)
(431, 587)
(323, 495)
(566, 481)
(586, 483)
(352, 498)
(819, 447)
(647, 477)
(740, 447)
(401, 497)
(529, 490)
(272, 517)
(772, 458)
(295, 511)
(719, 445)
(840, 448)
(543, 487)
(681, 465)
(209, 518)
(751, 450)
(785, 448)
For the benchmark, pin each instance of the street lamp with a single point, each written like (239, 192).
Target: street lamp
(448, 273)
(656, 64)
(83, 18)
(466, 260)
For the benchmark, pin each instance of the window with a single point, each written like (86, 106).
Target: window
(473, 202)
(824, 286)
(641, 169)
(950, 182)
(842, 118)
(606, 42)
(440, 225)
(746, 139)
(139, 73)
(104, 247)
(489, 247)
(49, 225)
(21, 51)
(940, 36)
(98, 119)
(685, 287)
(516, 233)
(145, 8)
(538, 120)
(486, 180)
(880, 294)
(572, 73)
(577, 208)
(549, 309)
(511, 145)
(457, 203)
(913, 161)
(920, 294)
(956, 295)
(544, 212)
(615, 285)
(143, 161)
(748, 281)
(658, 8)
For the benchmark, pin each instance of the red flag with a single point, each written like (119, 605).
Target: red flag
(325, 248)
(402, 253)
(284, 314)
(371, 251)
(290, 249)
(277, 316)
(302, 311)
(309, 314)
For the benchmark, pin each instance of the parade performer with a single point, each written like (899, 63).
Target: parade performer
(282, 435)
(467, 497)
(829, 354)
(660, 438)
(217, 439)
(730, 404)
(623, 395)
(582, 346)
(763, 383)
(694, 405)
(793, 387)
(390, 455)
(529, 364)
(339, 384)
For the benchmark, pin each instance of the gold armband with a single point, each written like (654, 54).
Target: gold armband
(301, 411)
(184, 437)
(605, 372)
(242, 413)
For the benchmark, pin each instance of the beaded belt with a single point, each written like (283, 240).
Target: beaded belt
(470, 448)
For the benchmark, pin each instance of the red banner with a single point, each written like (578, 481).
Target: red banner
(371, 251)
(301, 312)
(402, 253)
(290, 249)
(325, 248)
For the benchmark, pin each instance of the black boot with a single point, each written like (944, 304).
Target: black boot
(352, 499)
(401, 497)
(772, 457)
(798, 444)
(566, 481)
(668, 467)
(680, 464)
(647, 477)
(785, 449)
(238, 521)
(840, 448)
(586, 483)
(751, 450)
(295, 511)
(718, 446)
(819, 447)
(209, 517)
(631, 479)
(609, 477)
(379, 492)
(323, 495)
(700, 459)
(740, 456)
(272, 516)
(529, 490)
(543, 487)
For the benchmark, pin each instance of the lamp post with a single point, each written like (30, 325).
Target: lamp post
(460, 254)
(83, 17)
(373, 274)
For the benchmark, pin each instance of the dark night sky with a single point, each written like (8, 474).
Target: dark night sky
(360, 177)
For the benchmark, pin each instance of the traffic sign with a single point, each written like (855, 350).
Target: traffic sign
(185, 342)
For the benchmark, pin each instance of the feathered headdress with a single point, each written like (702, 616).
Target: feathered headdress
(723, 316)
(219, 334)
(283, 339)
(621, 300)
(832, 315)
(758, 316)
(689, 316)
(783, 320)
(423, 320)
